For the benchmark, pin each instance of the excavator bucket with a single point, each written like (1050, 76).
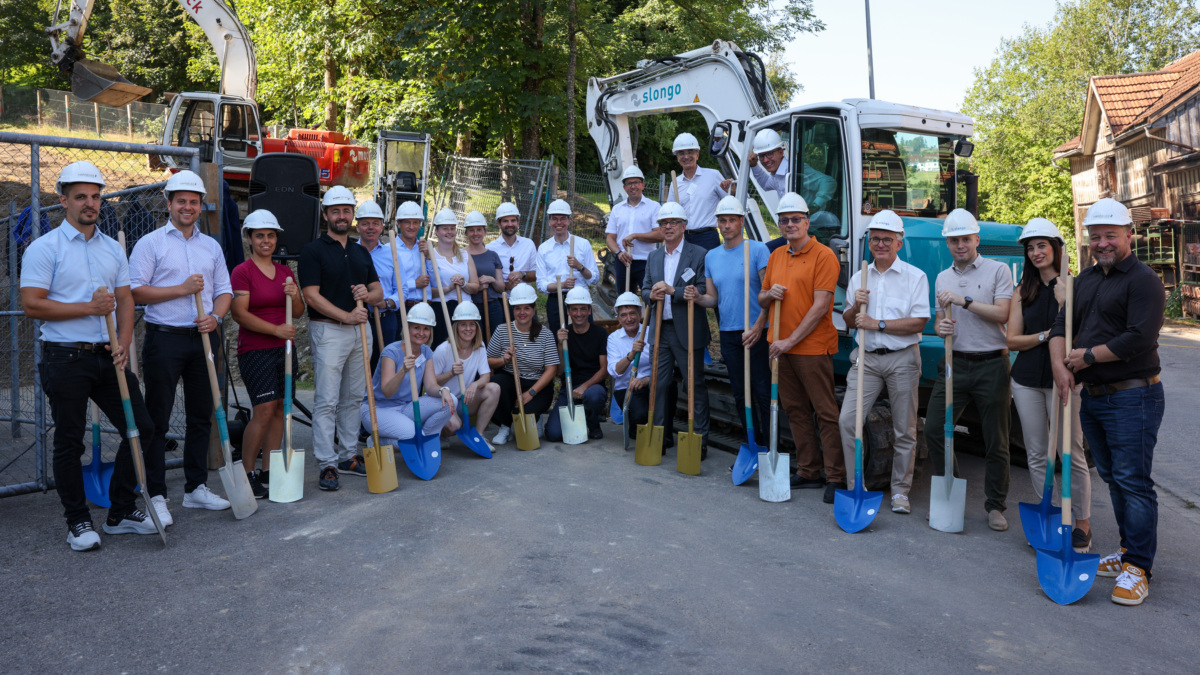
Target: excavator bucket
(101, 83)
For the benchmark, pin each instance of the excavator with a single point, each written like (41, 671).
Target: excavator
(225, 125)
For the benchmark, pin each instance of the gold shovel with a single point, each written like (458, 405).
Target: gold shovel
(524, 426)
(381, 460)
(688, 458)
(648, 449)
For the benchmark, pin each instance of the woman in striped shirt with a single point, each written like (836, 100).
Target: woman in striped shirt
(537, 359)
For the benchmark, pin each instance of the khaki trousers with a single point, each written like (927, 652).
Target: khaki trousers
(900, 372)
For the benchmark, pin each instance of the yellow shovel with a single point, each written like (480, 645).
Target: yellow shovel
(648, 449)
(524, 426)
(688, 459)
(381, 460)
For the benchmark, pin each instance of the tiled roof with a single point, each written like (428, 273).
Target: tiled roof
(1126, 97)
(1189, 76)
(1068, 146)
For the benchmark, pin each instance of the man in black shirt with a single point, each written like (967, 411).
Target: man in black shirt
(587, 346)
(334, 276)
(1117, 315)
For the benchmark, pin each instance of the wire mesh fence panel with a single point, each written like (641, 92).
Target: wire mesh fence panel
(476, 184)
(56, 111)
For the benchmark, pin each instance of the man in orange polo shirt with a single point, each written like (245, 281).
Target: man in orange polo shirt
(803, 276)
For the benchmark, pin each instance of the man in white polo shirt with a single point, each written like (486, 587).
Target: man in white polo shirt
(632, 230)
(518, 255)
(698, 190)
(563, 256)
(896, 299)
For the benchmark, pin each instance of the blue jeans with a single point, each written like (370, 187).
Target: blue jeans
(595, 400)
(1122, 429)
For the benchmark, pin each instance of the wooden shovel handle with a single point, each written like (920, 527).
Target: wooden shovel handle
(412, 377)
(512, 346)
(212, 375)
(437, 274)
(654, 366)
(691, 364)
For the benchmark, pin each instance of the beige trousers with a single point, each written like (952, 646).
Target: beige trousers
(900, 372)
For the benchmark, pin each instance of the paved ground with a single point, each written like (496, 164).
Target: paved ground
(1177, 458)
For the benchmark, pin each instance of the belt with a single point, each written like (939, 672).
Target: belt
(175, 330)
(884, 350)
(409, 304)
(1114, 387)
(336, 323)
(98, 347)
(979, 356)
(698, 230)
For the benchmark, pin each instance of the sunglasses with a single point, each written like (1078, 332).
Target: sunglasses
(788, 220)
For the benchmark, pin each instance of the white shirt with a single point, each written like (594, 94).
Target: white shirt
(381, 256)
(473, 366)
(620, 344)
(670, 267)
(772, 181)
(699, 196)
(900, 292)
(520, 257)
(71, 268)
(165, 258)
(627, 219)
(552, 262)
(448, 268)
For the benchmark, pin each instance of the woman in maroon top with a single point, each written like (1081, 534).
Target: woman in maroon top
(260, 288)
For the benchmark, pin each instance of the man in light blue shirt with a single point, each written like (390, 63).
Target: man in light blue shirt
(370, 227)
(62, 274)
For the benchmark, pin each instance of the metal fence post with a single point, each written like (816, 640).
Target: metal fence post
(67, 108)
(35, 225)
(39, 107)
(14, 369)
(96, 112)
(129, 119)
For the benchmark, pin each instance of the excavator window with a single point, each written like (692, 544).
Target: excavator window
(233, 127)
(817, 172)
(194, 128)
(909, 173)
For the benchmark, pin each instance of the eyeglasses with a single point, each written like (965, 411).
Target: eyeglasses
(882, 241)
(787, 220)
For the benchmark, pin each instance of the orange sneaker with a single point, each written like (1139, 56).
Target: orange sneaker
(1110, 565)
(1132, 586)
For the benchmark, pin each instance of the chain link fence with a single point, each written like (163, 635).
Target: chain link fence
(481, 184)
(29, 208)
(59, 112)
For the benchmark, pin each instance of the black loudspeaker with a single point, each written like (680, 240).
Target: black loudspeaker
(288, 185)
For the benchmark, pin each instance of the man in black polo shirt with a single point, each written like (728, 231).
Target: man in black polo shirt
(587, 346)
(333, 277)
(1118, 313)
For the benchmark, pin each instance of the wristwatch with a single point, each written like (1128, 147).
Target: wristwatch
(967, 302)
(1042, 336)
(1088, 357)
(882, 326)
(532, 391)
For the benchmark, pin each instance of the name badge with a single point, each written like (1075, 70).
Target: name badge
(687, 275)
(420, 360)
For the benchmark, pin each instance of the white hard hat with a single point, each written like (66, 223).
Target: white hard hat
(730, 206)
(766, 141)
(409, 211)
(579, 295)
(671, 210)
(507, 209)
(887, 220)
(522, 294)
(338, 196)
(685, 141)
(445, 217)
(368, 209)
(628, 300)
(475, 219)
(422, 313)
(791, 203)
(1107, 211)
(559, 207)
(185, 181)
(82, 171)
(1040, 227)
(632, 172)
(960, 222)
(466, 311)
(260, 219)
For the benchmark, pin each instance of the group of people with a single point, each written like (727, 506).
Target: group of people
(773, 302)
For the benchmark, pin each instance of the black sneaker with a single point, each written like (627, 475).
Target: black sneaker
(329, 479)
(256, 485)
(1081, 541)
(801, 483)
(354, 467)
(82, 537)
(134, 522)
(831, 489)
(595, 433)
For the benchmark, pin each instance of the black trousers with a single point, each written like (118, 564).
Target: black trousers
(638, 270)
(389, 321)
(70, 377)
(166, 358)
(508, 398)
(639, 407)
(494, 314)
(441, 332)
(733, 354)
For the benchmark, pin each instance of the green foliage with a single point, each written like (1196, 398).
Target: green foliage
(1174, 307)
(24, 48)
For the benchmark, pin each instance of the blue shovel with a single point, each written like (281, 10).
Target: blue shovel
(747, 458)
(97, 474)
(1040, 521)
(422, 456)
(614, 411)
(855, 509)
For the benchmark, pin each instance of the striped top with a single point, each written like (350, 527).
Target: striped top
(533, 357)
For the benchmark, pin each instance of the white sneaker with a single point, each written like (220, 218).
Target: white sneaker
(502, 436)
(82, 537)
(203, 498)
(900, 504)
(159, 504)
(132, 523)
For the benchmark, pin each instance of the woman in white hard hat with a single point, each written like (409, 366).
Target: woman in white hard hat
(393, 391)
(488, 268)
(482, 394)
(537, 356)
(260, 289)
(457, 269)
(1036, 303)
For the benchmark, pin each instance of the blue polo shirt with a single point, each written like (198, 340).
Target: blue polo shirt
(381, 256)
(72, 268)
(725, 267)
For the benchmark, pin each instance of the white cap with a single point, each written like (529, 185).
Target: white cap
(766, 141)
(507, 209)
(368, 209)
(466, 311)
(960, 222)
(791, 203)
(522, 294)
(1107, 211)
(1040, 227)
(410, 211)
(82, 171)
(628, 300)
(475, 219)
(559, 207)
(671, 210)
(580, 295)
(260, 219)
(685, 141)
(445, 217)
(632, 172)
(338, 196)
(886, 220)
(185, 181)
(422, 313)
(730, 206)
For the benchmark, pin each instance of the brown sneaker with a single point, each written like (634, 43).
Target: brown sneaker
(1110, 565)
(1132, 586)
(997, 521)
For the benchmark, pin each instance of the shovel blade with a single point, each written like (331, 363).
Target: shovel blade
(947, 503)
(471, 438)
(381, 469)
(614, 412)
(526, 430)
(96, 478)
(574, 427)
(422, 455)
(687, 459)
(237, 490)
(774, 483)
(747, 463)
(1066, 576)
(648, 450)
(855, 509)
(287, 484)
(1041, 523)
(97, 82)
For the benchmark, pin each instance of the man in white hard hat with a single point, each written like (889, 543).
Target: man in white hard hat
(518, 255)
(725, 287)
(369, 224)
(167, 268)
(1118, 313)
(770, 167)
(670, 271)
(587, 347)
(334, 276)
(698, 190)
(803, 276)
(979, 290)
(563, 256)
(632, 229)
(888, 311)
(61, 275)
(415, 268)
(624, 344)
